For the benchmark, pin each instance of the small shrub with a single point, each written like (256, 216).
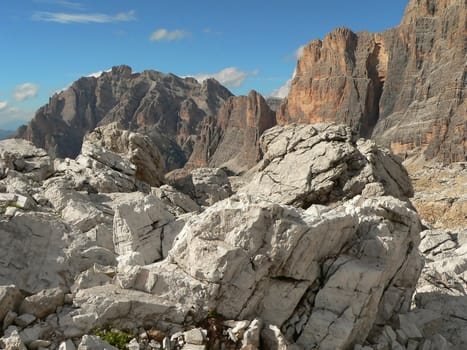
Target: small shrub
(114, 337)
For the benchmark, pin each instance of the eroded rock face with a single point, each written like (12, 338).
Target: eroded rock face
(165, 107)
(322, 164)
(146, 162)
(99, 248)
(231, 139)
(404, 87)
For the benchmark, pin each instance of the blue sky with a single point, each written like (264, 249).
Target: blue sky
(247, 44)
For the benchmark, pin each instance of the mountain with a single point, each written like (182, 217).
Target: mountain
(231, 138)
(5, 134)
(167, 108)
(404, 87)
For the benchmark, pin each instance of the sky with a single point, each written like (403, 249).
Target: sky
(245, 44)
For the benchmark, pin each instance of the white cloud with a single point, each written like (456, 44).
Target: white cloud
(83, 17)
(63, 3)
(299, 52)
(231, 77)
(166, 35)
(25, 91)
(283, 90)
(96, 74)
(11, 118)
(3, 105)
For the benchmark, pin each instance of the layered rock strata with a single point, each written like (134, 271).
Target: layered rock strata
(404, 87)
(112, 251)
(165, 107)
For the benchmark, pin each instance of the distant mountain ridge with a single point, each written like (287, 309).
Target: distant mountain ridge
(404, 87)
(165, 107)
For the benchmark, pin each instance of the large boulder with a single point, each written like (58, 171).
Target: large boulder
(204, 185)
(126, 151)
(324, 276)
(323, 164)
(24, 157)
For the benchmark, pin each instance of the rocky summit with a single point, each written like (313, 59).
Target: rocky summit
(404, 87)
(326, 257)
(167, 108)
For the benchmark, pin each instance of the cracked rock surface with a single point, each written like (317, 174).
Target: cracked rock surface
(315, 258)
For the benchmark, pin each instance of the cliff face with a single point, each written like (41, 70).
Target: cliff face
(231, 139)
(165, 107)
(404, 87)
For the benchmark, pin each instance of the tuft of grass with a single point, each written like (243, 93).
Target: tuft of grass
(114, 337)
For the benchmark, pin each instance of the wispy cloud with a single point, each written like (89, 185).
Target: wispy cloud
(11, 118)
(299, 52)
(3, 105)
(283, 90)
(65, 18)
(25, 91)
(167, 35)
(230, 77)
(63, 3)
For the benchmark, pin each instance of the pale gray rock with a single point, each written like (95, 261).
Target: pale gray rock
(194, 336)
(252, 334)
(39, 344)
(440, 298)
(10, 299)
(12, 342)
(25, 320)
(139, 225)
(92, 342)
(35, 257)
(210, 185)
(9, 319)
(67, 345)
(177, 202)
(204, 185)
(328, 164)
(132, 153)
(90, 278)
(24, 157)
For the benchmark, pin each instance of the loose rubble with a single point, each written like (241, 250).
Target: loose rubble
(324, 259)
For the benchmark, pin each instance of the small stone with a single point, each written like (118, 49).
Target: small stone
(401, 337)
(439, 342)
(133, 345)
(194, 336)
(412, 344)
(9, 319)
(39, 343)
(409, 328)
(13, 342)
(67, 345)
(25, 320)
(390, 334)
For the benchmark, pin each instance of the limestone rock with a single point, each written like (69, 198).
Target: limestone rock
(231, 139)
(205, 185)
(13, 342)
(177, 202)
(34, 258)
(10, 299)
(129, 152)
(92, 342)
(333, 166)
(164, 107)
(43, 303)
(404, 87)
(139, 226)
(24, 157)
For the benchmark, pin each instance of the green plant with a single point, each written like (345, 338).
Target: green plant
(114, 337)
(212, 313)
